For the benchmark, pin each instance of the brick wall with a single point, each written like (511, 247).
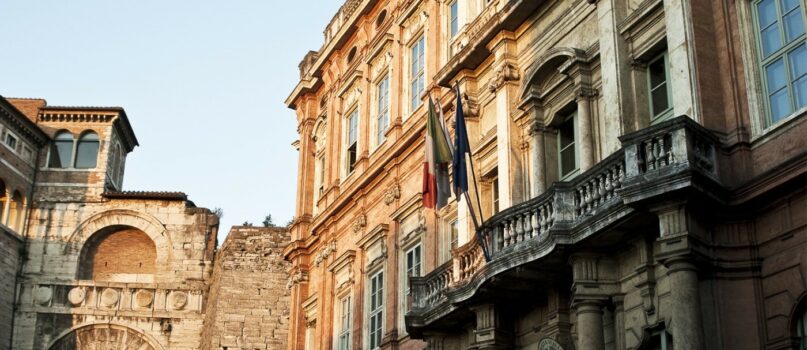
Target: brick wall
(248, 302)
(127, 251)
(9, 259)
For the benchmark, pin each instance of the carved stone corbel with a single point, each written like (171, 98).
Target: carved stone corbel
(505, 73)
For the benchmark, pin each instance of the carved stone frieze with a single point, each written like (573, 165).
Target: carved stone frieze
(392, 193)
(360, 223)
(324, 253)
(505, 73)
(296, 278)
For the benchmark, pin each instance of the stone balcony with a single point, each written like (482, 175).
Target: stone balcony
(656, 163)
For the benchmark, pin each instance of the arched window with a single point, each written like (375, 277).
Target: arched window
(87, 151)
(15, 212)
(61, 150)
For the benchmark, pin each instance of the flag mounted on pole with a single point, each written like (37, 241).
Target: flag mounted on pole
(436, 188)
(460, 176)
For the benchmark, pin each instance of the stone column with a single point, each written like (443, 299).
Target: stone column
(686, 324)
(6, 207)
(538, 160)
(584, 131)
(493, 330)
(589, 325)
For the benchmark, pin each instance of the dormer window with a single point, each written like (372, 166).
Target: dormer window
(87, 151)
(61, 150)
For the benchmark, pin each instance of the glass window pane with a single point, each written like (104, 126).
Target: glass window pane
(770, 40)
(788, 5)
(780, 105)
(658, 75)
(567, 162)
(798, 61)
(794, 27)
(566, 133)
(659, 98)
(86, 154)
(800, 90)
(776, 76)
(60, 153)
(767, 13)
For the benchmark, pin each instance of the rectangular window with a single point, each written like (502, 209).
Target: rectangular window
(376, 313)
(567, 157)
(416, 73)
(321, 175)
(11, 141)
(455, 234)
(352, 139)
(310, 335)
(453, 21)
(495, 194)
(783, 51)
(382, 120)
(343, 341)
(413, 263)
(659, 84)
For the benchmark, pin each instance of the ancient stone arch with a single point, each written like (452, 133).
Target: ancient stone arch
(104, 336)
(121, 217)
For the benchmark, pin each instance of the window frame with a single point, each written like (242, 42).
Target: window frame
(382, 109)
(77, 144)
(375, 336)
(351, 166)
(68, 163)
(419, 77)
(665, 114)
(453, 19)
(572, 119)
(781, 53)
(343, 324)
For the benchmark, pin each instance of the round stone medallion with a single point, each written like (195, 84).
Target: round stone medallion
(143, 298)
(549, 344)
(110, 297)
(178, 300)
(76, 296)
(42, 295)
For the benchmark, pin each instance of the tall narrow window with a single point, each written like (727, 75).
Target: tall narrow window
(453, 19)
(413, 263)
(494, 193)
(801, 330)
(87, 151)
(783, 51)
(567, 157)
(658, 82)
(321, 175)
(382, 120)
(343, 341)
(61, 150)
(455, 234)
(376, 310)
(15, 212)
(352, 139)
(416, 72)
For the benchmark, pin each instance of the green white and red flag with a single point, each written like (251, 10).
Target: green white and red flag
(436, 185)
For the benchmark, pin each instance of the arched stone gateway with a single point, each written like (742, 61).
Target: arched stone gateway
(104, 336)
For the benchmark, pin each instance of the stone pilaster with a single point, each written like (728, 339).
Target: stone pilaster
(589, 324)
(493, 328)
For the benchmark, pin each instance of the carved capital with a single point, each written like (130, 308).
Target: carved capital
(505, 73)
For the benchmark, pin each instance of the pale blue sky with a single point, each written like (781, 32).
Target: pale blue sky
(203, 83)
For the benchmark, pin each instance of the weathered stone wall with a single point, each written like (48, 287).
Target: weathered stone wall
(249, 301)
(9, 260)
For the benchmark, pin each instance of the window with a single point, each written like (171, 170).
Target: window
(11, 141)
(783, 51)
(413, 263)
(658, 83)
(352, 139)
(495, 194)
(321, 175)
(659, 340)
(454, 229)
(416, 73)
(453, 19)
(351, 55)
(310, 335)
(87, 151)
(376, 310)
(382, 120)
(567, 157)
(343, 340)
(61, 150)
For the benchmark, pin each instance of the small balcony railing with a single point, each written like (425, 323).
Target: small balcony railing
(652, 155)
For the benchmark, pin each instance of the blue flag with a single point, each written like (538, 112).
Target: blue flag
(461, 148)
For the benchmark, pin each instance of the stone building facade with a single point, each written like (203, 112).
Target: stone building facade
(86, 265)
(640, 165)
(249, 301)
